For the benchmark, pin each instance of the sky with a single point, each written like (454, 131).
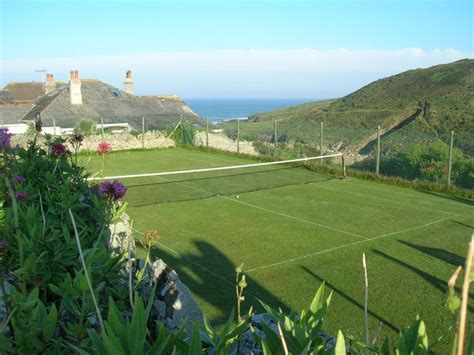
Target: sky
(232, 48)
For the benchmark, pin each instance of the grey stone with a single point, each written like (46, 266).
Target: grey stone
(160, 309)
(165, 289)
(158, 268)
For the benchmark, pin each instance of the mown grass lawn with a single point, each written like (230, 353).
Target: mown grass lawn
(294, 228)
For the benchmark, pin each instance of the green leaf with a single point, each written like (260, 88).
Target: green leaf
(195, 347)
(340, 348)
(138, 328)
(111, 343)
(5, 344)
(96, 341)
(318, 300)
(50, 323)
(117, 323)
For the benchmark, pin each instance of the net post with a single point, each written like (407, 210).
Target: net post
(321, 129)
(238, 135)
(450, 160)
(343, 166)
(143, 132)
(377, 162)
(207, 132)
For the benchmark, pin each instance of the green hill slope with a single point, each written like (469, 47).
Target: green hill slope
(417, 106)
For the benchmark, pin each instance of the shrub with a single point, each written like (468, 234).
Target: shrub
(86, 127)
(183, 133)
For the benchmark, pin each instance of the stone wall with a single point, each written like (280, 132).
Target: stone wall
(222, 142)
(118, 141)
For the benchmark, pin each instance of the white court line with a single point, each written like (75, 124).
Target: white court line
(383, 199)
(288, 261)
(295, 218)
(277, 213)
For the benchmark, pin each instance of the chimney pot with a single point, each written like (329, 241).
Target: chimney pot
(75, 88)
(128, 83)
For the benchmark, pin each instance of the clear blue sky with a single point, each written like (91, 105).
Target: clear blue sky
(62, 31)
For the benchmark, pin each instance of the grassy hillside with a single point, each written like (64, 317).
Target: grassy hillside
(438, 99)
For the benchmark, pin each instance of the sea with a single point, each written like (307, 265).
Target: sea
(218, 110)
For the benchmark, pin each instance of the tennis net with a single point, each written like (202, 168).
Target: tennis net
(193, 184)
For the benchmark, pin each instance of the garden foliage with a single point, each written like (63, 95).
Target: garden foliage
(52, 302)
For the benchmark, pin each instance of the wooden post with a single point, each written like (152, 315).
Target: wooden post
(102, 127)
(143, 132)
(450, 161)
(275, 133)
(238, 135)
(207, 132)
(321, 142)
(54, 126)
(377, 161)
(344, 175)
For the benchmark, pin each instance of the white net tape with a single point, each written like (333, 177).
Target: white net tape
(254, 165)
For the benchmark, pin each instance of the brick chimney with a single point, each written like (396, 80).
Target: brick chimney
(50, 85)
(128, 83)
(75, 88)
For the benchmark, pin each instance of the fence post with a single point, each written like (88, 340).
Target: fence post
(321, 129)
(238, 135)
(275, 133)
(207, 132)
(377, 162)
(450, 161)
(143, 132)
(102, 127)
(54, 126)
(344, 175)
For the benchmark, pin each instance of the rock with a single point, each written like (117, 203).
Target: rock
(160, 309)
(174, 303)
(119, 236)
(186, 308)
(158, 268)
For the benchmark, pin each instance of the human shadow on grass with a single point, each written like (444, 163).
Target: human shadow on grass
(210, 275)
(350, 299)
(441, 285)
(459, 199)
(440, 254)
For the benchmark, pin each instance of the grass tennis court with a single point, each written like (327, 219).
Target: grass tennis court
(293, 228)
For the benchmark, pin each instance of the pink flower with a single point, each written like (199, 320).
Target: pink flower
(104, 148)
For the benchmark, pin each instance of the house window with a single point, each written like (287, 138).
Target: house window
(116, 93)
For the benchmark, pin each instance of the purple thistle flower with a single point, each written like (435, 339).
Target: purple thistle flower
(105, 187)
(119, 189)
(21, 195)
(5, 139)
(115, 190)
(3, 243)
(19, 179)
